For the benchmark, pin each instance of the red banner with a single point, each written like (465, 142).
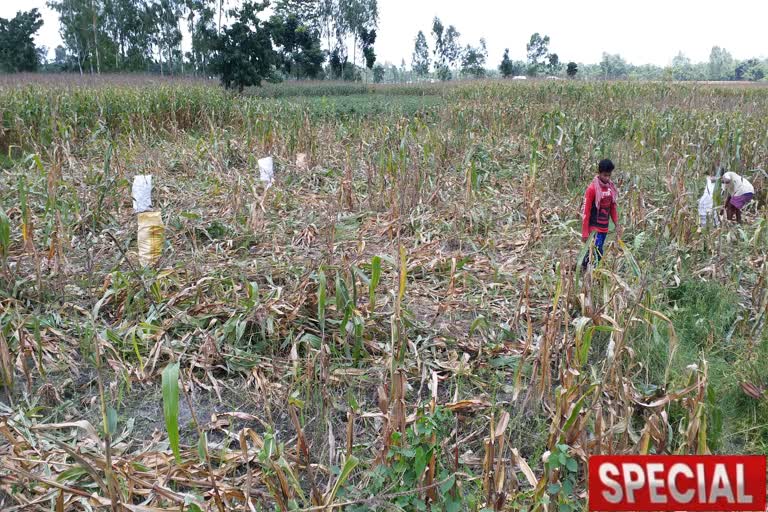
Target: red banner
(677, 482)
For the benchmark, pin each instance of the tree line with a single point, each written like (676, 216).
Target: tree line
(253, 41)
(299, 39)
(447, 59)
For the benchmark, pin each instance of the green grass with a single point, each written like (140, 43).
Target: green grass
(364, 105)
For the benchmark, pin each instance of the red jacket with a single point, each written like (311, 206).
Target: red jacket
(594, 219)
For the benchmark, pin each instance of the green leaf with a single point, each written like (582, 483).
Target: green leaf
(420, 462)
(171, 406)
(553, 488)
(452, 505)
(375, 277)
(5, 234)
(448, 485)
(572, 465)
(202, 446)
(111, 420)
(349, 465)
(71, 474)
(575, 412)
(342, 294)
(321, 298)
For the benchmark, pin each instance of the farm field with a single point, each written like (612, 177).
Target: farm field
(399, 322)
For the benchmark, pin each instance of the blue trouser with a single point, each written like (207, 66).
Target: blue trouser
(599, 242)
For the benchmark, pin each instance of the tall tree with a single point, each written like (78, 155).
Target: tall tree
(613, 66)
(308, 12)
(437, 33)
(452, 46)
(328, 14)
(537, 48)
(682, 69)
(506, 67)
(17, 48)
(420, 59)
(124, 21)
(720, 66)
(76, 29)
(356, 16)
(167, 16)
(245, 55)
(201, 23)
(298, 46)
(447, 51)
(473, 60)
(367, 39)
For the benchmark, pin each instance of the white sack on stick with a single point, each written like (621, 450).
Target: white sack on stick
(142, 193)
(266, 170)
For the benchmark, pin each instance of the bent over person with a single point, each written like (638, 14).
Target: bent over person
(599, 209)
(739, 192)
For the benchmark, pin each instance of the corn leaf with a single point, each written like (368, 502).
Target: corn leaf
(349, 465)
(374, 282)
(171, 406)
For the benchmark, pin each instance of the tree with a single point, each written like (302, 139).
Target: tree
(537, 48)
(442, 69)
(613, 66)
(506, 68)
(328, 14)
(336, 62)
(572, 69)
(203, 31)
(720, 66)
(378, 73)
(451, 46)
(682, 69)
(367, 38)
(245, 55)
(420, 59)
(120, 34)
(75, 29)
(437, 34)
(298, 46)
(447, 50)
(167, 16)
(554, 67)
(307, 12)
(473, 60)
(356, 16)
(60, 59)
(17, 48)
(750, 69)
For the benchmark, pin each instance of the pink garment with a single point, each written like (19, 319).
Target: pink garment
(600, 186)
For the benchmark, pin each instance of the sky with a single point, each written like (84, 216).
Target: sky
(643, 32)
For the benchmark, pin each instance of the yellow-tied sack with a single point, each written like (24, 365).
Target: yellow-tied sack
(151, 236)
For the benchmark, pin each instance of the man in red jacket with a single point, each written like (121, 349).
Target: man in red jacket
(599, 207)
